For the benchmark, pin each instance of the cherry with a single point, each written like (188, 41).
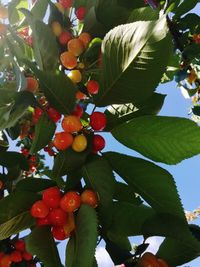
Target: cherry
(148, 260)
(57, 217)
(27, 256)
(39, 209)
(98, 121)
(80, 95)
(71, 124)
(93, 87)
(32, 84)
(68, 60)
(52, 197)
(70, 202)
(20, 245)
(66, 3)
(63, 140)
(70, 224)
(76, 47)
(42, 221)
(89, 197)
(58, 232)
(16, 256)
(78, 111)
(54, 115)
(85, 38)
(98, 143)
(64, 38)
(162, 263)
(5, 261)
(1, 185)
(81, 12)
(75, 76)
(80, 143)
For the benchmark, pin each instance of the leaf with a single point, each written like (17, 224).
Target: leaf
(154, 184)
(130, 53)
(123, 192)
(185, 7)
(13, 8)
(58, 89)
(10, 159)
(98, 174)
(44, 131)
(39, 9)
(86, 236)
(70, 252)
(34, 184)
(162, 139)
(41, 243)
(118, 114)
(14, 216)
(143, 14)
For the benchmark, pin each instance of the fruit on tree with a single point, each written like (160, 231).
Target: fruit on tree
(162, 263)
(80, 143)
(58, 232)
(39, 209)
(89, 197)
(63, 140)
(68, 60)
(78, 111)
(75, 76)
(57, 217)
(70, 202)
(70, 224)
(71, 124)
(20, 245)
(98, 121)
(53, 114)
(52, 196)
(75, 46)
(5, 261)
(27, 256)
(64, 37)
(16, 256)
(80, 12)
(56, 28)
(93, 87)
(80, 95)
(98, 143)
(85, 38)
(42, 221)
(32, 84)
(66, 3)
(148, 259)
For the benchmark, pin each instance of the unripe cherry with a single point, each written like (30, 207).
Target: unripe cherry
(56, 28)
(98, 121)
(71, 124)
(89, 197)
(75, 76)
(85, 38)
(68, 60)
(80, 143)
(76, 47)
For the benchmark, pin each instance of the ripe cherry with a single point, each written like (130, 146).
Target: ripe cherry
(75, 76)
(70, 202)
(78, 111)
(85, 38)
(42, 221)
(89, 197)
(20, 245)
(148, 260)
(64, 38)
(16, 256)
(98, 121)
(66, 3)
(162, 263)
(80, 95)
(58, 232)
(5, 261)
(54, 115)
(27, 256)
(76, 47)
(70, 224)
(71, 124)
(32, 84)
(98, 143)
(52, 197)
(68, 60)
(93, 87)
(81, 12)
(39, 209)
(57, 217)
(80, 143)
(63, 140)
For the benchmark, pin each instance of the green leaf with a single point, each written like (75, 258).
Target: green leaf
(70, 252)
(86, 236)
(185, 7)
(130, 53)
(98, 174)
(15, 215)
(163, 139)
(44, 131)
(123, 192)
(10, 159)
(154, 184)
(13, 8)
(39, 9)
(118, 114)
(34, 184)
(41, 243)
(143, 14)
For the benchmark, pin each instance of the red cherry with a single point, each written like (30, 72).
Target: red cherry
(63, 140)
(38, 112)
(64, 38)
(66, 3)
(98, 142)
(148, 260)
(27, 256)
(98, 121)
(81, 12)
(39, 209)
(70, 202)
(52, 197)
(54, 115)
(57, 217)
(89, 197)
(20, 245)
(93, 87)
(58, 232)
(42, 221)
(16, 256)
(78, 111)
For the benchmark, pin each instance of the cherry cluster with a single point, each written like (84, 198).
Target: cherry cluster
(148, 259)
(14, 252)
(57, 210)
